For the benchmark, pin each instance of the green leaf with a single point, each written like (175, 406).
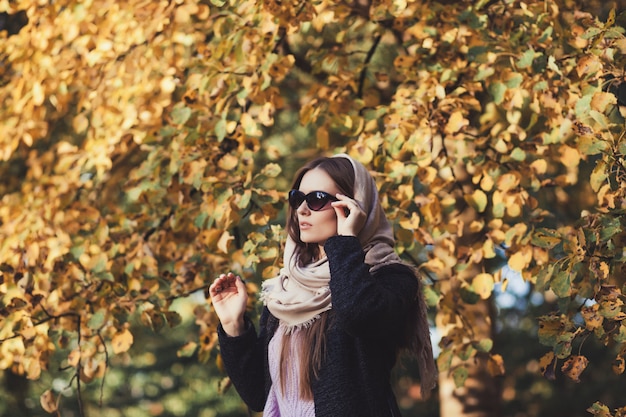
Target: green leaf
(518, 155)
(621, 336)
(545, 238)
(549, 330)
(543, 277)
(220, 129)
(468, 296)
(561, 284)
(601, 119)
(497, 91)
(180, 115)
(526, 60)
(485, 345)
(460, 375)
(582, 106)
(431, 296)
(563, 347)
(271, 170)
(96, 320)
(188, 350)
(610, 227)
(200, 219)
(514, 81)
(599, 409)
(444, 360)
(590, 145)
(477, 54)
(598, 176)
(134, 193)
(484, 73)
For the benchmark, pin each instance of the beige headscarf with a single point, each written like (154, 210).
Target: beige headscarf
(299, 294)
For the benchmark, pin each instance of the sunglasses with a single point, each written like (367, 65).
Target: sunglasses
(316, 200)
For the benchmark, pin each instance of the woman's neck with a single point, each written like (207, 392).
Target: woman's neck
(322, 253)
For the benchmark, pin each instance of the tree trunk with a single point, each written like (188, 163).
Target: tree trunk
(16, 387)
(480, 395)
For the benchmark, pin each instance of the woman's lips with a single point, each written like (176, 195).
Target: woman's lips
(305, 226)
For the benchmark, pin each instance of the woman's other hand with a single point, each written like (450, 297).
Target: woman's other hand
(350, 216)
(229, 298)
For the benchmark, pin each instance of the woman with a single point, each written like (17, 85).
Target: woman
(338, 314)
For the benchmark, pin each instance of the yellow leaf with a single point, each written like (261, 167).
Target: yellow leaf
(593, 319)
(488, 249)
(323, 138)
(38, 94)
(80, 123)
(546, 365)
(270, 271)
(604, 270)
(495, 366)
(73, 358)
(92, 369)
(427, 175)
(570, 157)
(508, 181)
(588, 65)
(259, 219)
(228, 162)
(249, 125)
(122, 341)
(540, 166)
(574, 366)
(601, 100)
(598, 175)
(412, 223)
(517, 261)
(486, 183)
(513, 209)
(478, 200)
(406, 192)
(33, 369)
(48, 402)
(456, 122)
(482, 284)
(266, 115)
(168, 85)
(362, 154)
(222, 243)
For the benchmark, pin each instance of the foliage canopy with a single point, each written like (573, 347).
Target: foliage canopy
(142, 142)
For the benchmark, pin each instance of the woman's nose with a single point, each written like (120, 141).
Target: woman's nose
(303, 208)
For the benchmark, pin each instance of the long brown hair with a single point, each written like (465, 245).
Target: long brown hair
(312, 350)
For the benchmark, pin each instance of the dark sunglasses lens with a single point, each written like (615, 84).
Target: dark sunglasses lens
(317, 200)
(296, 198)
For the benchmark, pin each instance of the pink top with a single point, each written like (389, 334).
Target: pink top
(288, 403)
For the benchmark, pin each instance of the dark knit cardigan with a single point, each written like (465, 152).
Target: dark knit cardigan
(367, 327)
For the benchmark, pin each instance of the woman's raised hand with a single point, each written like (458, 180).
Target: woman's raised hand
(229, 298)
(350, 216)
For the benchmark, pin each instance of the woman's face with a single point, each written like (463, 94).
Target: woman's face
(317, 226)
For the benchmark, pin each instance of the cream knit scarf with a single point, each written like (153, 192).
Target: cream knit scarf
(299, 294)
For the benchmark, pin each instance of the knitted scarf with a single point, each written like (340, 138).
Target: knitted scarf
(299, 294)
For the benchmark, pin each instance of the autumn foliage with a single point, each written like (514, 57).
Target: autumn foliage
(136, 164)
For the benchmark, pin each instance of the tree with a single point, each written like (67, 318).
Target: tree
(139, 159)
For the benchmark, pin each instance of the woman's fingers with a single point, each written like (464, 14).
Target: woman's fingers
(350, 215)
(224, 282)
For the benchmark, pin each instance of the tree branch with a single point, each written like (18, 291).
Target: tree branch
(368, 58)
